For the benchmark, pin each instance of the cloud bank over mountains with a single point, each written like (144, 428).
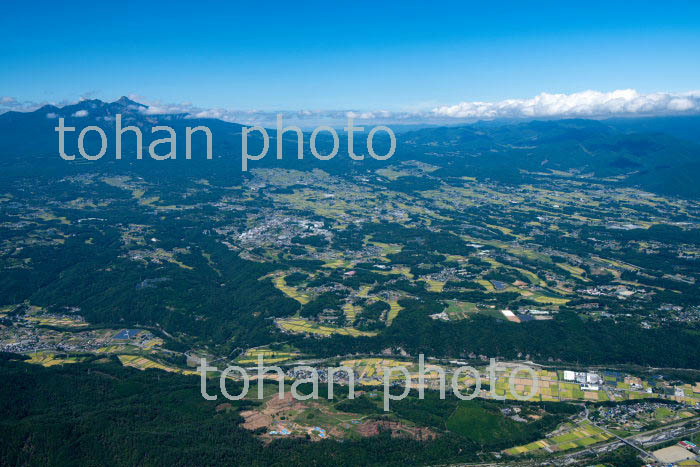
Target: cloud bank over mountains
(586, 104)
(625, 102)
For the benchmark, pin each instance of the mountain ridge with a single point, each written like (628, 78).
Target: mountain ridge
(643, 152)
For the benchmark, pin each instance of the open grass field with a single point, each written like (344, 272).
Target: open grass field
(549, 299)
(460, 310)
(663, 413)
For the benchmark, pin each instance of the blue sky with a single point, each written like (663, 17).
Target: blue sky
(344, 55)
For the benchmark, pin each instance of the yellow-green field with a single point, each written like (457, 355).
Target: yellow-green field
(549, 388)
(370, 371)
(575, 437)
(391, 174)
(291, 292)
(387, 248)
(269, 356)
(394, 310)
(573, 270)
(374, 367)
(435, 286)
(548, 299)
(338, 263)
(48, 216)
(304, 326)
(364, 291)
(50, 359)
(63, 322)
(142, 363)
(112, 349)
(351, 312)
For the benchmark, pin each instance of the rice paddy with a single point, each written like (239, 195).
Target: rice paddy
(59, 322)
(291, 292)
(373, 368)
(304, 326)
(394, 310)
(50, 359)
(269, 356)
(142, 363)
(435, 286)
(575, 271)
(351, 312)
(577, 436)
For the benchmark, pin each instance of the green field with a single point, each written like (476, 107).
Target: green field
(460, 310)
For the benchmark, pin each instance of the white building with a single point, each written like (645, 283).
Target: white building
(592, 378)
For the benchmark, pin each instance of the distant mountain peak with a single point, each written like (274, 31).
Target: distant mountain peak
(47, 108)
(125, 101)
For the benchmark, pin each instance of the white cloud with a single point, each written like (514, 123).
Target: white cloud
(8, 103)
(586, 104)
(81, 113)
(623, 102)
